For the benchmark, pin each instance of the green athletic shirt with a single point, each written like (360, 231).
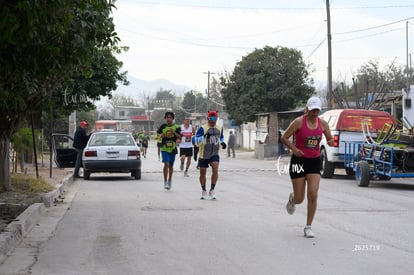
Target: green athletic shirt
(169, 143)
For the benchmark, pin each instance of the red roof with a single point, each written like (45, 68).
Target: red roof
(139, 118)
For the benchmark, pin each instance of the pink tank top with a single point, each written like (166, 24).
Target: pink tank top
(307, 140)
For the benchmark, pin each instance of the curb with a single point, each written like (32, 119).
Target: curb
(14, 233)
(51, 197)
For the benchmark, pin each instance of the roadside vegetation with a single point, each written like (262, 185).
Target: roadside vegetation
(30, 184)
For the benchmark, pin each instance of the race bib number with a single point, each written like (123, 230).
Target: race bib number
(312, 142)
(187, 136)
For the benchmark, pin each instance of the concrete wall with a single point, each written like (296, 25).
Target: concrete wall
(248, 136)
(266, 151)
(263, 140)
(267, 148)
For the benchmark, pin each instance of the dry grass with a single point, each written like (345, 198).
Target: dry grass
(28, 189)
(30, 184)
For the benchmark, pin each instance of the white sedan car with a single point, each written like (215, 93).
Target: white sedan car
(113, 152)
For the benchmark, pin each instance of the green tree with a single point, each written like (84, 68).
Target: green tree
(189, 104)
(370, 86)
(266, 80)
(194, 102)
(164, 98)
(163, 101)
(50, 49)
(21, 141)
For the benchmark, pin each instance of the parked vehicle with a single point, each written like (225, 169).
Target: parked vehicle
(348, 125)
(64, 154)
(106, 151)
(379, 161)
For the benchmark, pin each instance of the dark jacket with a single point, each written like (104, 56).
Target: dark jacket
(80, 139)
(232, 140)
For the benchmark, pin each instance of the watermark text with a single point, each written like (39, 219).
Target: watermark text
(366, 247)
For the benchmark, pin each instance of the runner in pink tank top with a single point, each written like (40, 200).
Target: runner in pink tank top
(305, 164)
(307, 139)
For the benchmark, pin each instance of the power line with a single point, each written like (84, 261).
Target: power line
(395, 6)
(226, 7)
(186, 42)
(375, 27)
(218, 103)
(368, 35)
(323, 40)
(209, 45)
(374, 7)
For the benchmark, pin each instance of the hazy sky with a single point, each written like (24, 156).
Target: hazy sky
(180, 40)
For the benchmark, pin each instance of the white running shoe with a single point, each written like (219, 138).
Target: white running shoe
(203, 195)
(307, 232)
(186, 174)
(169, 184)
(290, 206)
(166, 185)
(212, 194)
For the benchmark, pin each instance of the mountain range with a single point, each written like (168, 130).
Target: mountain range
(139, 88)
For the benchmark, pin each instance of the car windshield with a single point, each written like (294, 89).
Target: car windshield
(111, 139)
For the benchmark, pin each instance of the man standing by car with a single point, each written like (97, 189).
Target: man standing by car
(169, 133)
(79, 143)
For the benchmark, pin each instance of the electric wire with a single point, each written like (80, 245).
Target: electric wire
(395, 6)
(374, 27)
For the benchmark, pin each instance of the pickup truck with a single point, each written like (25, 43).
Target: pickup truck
(348, 125)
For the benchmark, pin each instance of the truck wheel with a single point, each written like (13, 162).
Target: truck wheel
(328, 167)
(362, 174)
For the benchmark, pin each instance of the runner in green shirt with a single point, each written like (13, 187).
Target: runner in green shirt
(143, 139)
(169, 133)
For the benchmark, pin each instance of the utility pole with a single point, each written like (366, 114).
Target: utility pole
(407, 56)
(411, 68)
(330, 96)
(208, 85)
(148, 110)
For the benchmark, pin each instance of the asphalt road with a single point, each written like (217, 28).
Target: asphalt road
(114, 224)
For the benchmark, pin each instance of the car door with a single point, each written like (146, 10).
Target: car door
(64, 154)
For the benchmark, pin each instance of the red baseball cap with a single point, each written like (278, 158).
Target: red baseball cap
(212, 115)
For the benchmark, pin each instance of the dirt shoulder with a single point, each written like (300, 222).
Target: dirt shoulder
(13, 203)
